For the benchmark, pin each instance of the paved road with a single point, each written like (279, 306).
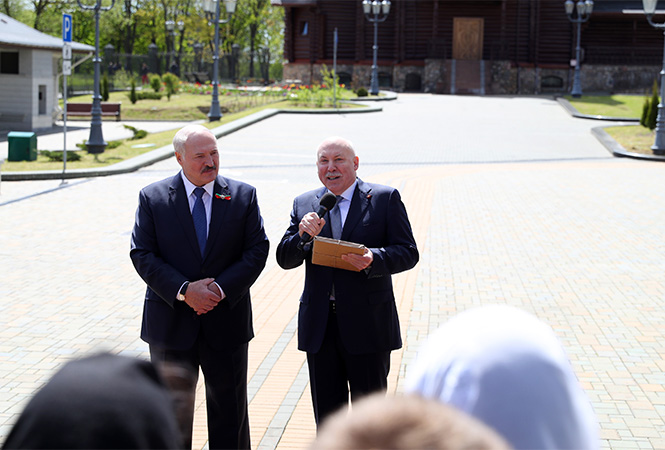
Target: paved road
(512, 201)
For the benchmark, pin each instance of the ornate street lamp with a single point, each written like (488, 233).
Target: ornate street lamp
(198, 50)
(375, 12)
(96, 143)
(170, 27)
(584, 9)
(212, 7)
(658, 146)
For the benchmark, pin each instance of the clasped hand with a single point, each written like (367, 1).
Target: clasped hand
(203, 295)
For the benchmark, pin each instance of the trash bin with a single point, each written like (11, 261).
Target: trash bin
(22, 146)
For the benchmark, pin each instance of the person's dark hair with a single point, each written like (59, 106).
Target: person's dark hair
(98, 402)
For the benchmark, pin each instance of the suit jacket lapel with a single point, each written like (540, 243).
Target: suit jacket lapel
(221, 201)
(179, 202)
(359, 204)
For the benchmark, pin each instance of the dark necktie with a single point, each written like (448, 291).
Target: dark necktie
(336, 219)
(200, 222)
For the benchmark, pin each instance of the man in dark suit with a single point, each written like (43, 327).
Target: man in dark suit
(347, 321)
(199, 251)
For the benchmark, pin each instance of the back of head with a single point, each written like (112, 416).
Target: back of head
(404, 422)
(102, 401)
(508, 369)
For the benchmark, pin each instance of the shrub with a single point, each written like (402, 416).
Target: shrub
(361, 92)
(645, 112)
(110, 145)
(652, 114)
(330, 80)
(172, 82)
(155, 82)
(132, 93)
(58, 156)
(138, 134)
(147, 95)
(105, 88)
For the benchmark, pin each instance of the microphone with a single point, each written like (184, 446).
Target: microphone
(326, 203)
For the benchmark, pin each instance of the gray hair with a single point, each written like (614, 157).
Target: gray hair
(180, 138)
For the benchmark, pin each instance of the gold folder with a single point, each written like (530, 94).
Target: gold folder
(328, 252)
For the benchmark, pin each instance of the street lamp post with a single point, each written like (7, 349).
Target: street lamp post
(170, 27)
(198, 50)
(584, 9)
(212, 7)
(658, 146)
(96, 143)
(375, 12)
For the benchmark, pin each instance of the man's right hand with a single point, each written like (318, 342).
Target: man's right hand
(200, 298)
(311, 224)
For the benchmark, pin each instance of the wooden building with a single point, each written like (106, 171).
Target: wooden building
(474, 46)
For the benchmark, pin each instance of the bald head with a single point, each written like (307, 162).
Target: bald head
(337, 164)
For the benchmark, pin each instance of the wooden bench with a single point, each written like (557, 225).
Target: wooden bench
(85, 109)
(197, 77)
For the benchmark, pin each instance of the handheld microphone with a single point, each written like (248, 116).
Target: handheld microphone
(326, 203)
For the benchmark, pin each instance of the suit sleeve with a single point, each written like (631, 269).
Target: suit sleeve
(400, 252)
(238, 277)
(161, 277)
(288, 254)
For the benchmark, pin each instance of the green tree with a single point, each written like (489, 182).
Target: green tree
(257, 25)
(645, 112)
(652, 115)
(105, 88)
(171, 81)
(132, 92)
(155, 82)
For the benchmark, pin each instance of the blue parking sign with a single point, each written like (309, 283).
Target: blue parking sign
(67, 27)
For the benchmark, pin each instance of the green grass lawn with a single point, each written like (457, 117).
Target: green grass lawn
(635, 139)
(609, 105)
(181, 107)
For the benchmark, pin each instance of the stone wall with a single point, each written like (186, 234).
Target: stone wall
(502, 77)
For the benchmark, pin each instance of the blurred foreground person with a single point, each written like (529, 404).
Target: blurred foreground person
(405, 422)
(507, 368)
(98, 402)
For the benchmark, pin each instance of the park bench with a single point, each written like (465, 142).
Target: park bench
(85, 109)
(197, 77)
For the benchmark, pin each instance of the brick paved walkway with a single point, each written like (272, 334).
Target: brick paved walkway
(512, 201)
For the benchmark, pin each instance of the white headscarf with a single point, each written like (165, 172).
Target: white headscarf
(508, 369)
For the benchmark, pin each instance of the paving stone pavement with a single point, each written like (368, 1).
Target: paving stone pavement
(512, 201)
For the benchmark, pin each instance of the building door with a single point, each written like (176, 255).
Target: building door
(468, 74)
(42, 99)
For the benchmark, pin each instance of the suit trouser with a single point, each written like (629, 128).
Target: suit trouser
(334, 372)
(225, 376)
